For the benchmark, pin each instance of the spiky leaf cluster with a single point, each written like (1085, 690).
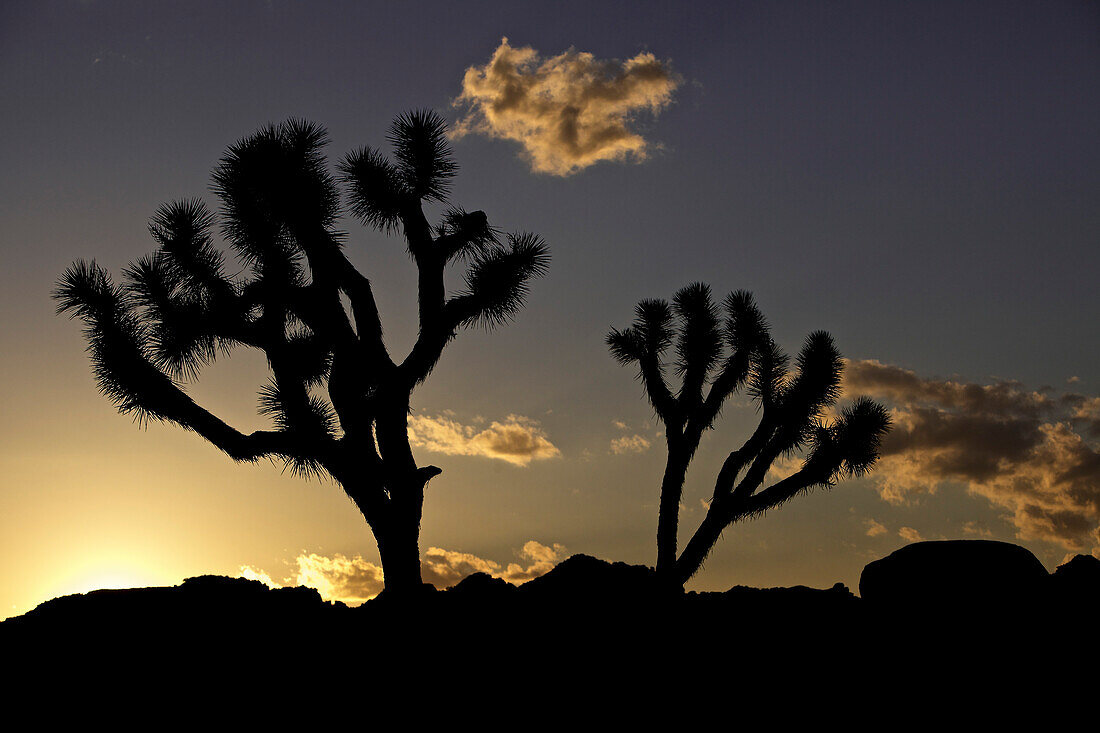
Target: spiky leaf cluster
(713, 346)
(498, 279)
(277, 197)
(117, 342)
(382, 192)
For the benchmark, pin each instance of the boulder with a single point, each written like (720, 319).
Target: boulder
(1077, 581)
(953, 571)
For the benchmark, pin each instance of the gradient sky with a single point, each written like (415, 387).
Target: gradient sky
(920, 179)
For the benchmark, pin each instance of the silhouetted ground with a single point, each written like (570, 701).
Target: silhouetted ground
(598, 630)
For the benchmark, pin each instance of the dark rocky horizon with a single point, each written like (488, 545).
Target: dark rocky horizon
(971, 573)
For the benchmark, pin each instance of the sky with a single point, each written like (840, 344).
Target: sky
(922, 180)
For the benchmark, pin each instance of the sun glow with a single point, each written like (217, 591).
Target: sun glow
(109, 573)
(110, 578)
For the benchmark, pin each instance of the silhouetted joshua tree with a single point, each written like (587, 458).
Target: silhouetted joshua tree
(728, 354)
(338, 401)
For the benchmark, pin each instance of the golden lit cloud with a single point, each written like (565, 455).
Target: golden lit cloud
(443, 568)
(568, 111)
(354, 580)
(1024, 451)
(875, 528)
(977, 530)
(517, 440)
(348, 579)
(540, 559)
(909, 534)
(630, 444)
(784, 467)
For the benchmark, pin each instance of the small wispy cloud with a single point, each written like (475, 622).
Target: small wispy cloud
(875, 528)
(977, 530)
(354, 580)
(630, 444)
(909, 534)
(784, 467)
(568, 111)
(517, 440)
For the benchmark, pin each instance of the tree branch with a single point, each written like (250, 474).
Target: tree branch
(663, 401)
(730, 379)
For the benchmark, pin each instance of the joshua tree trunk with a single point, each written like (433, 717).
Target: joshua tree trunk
(668, 517)
(700, 544)
(403, 495)
(399, 549)
(393, 513)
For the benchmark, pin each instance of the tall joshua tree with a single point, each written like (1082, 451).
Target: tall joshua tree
(338, 400)
(714, 358)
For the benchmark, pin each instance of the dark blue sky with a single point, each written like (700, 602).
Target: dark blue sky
(920, 179)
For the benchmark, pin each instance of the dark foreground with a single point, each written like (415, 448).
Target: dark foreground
(932, 620)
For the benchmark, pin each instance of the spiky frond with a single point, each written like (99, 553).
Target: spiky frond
(815, 386)
(626, 346)
(746, 329)
(653, 324)
(313, 420)
(698, 342)
(423, 153)
(497, 282)
(290, 410)
(820, 369)
(183, 231)
(858, 435)
(375, 189)
(116, 342)
(276, 191)
(643, 343)
(745, 332)
(181, 341)
(465, 234)
(305, 357)
(768, 376)
(85, 291)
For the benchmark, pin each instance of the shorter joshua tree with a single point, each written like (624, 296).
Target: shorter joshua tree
(730, 354)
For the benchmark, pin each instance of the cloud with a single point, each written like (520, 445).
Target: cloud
(518, 440)
(1026, 451)
(630, 444)
(443, 568)
(875, 528)
(568, 111)
(540, 558)
(251, 573)
(784, 467)
(354, 580)
(909, 534)
(973, 528)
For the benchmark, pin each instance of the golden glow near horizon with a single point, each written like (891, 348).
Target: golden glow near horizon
(106, 576)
